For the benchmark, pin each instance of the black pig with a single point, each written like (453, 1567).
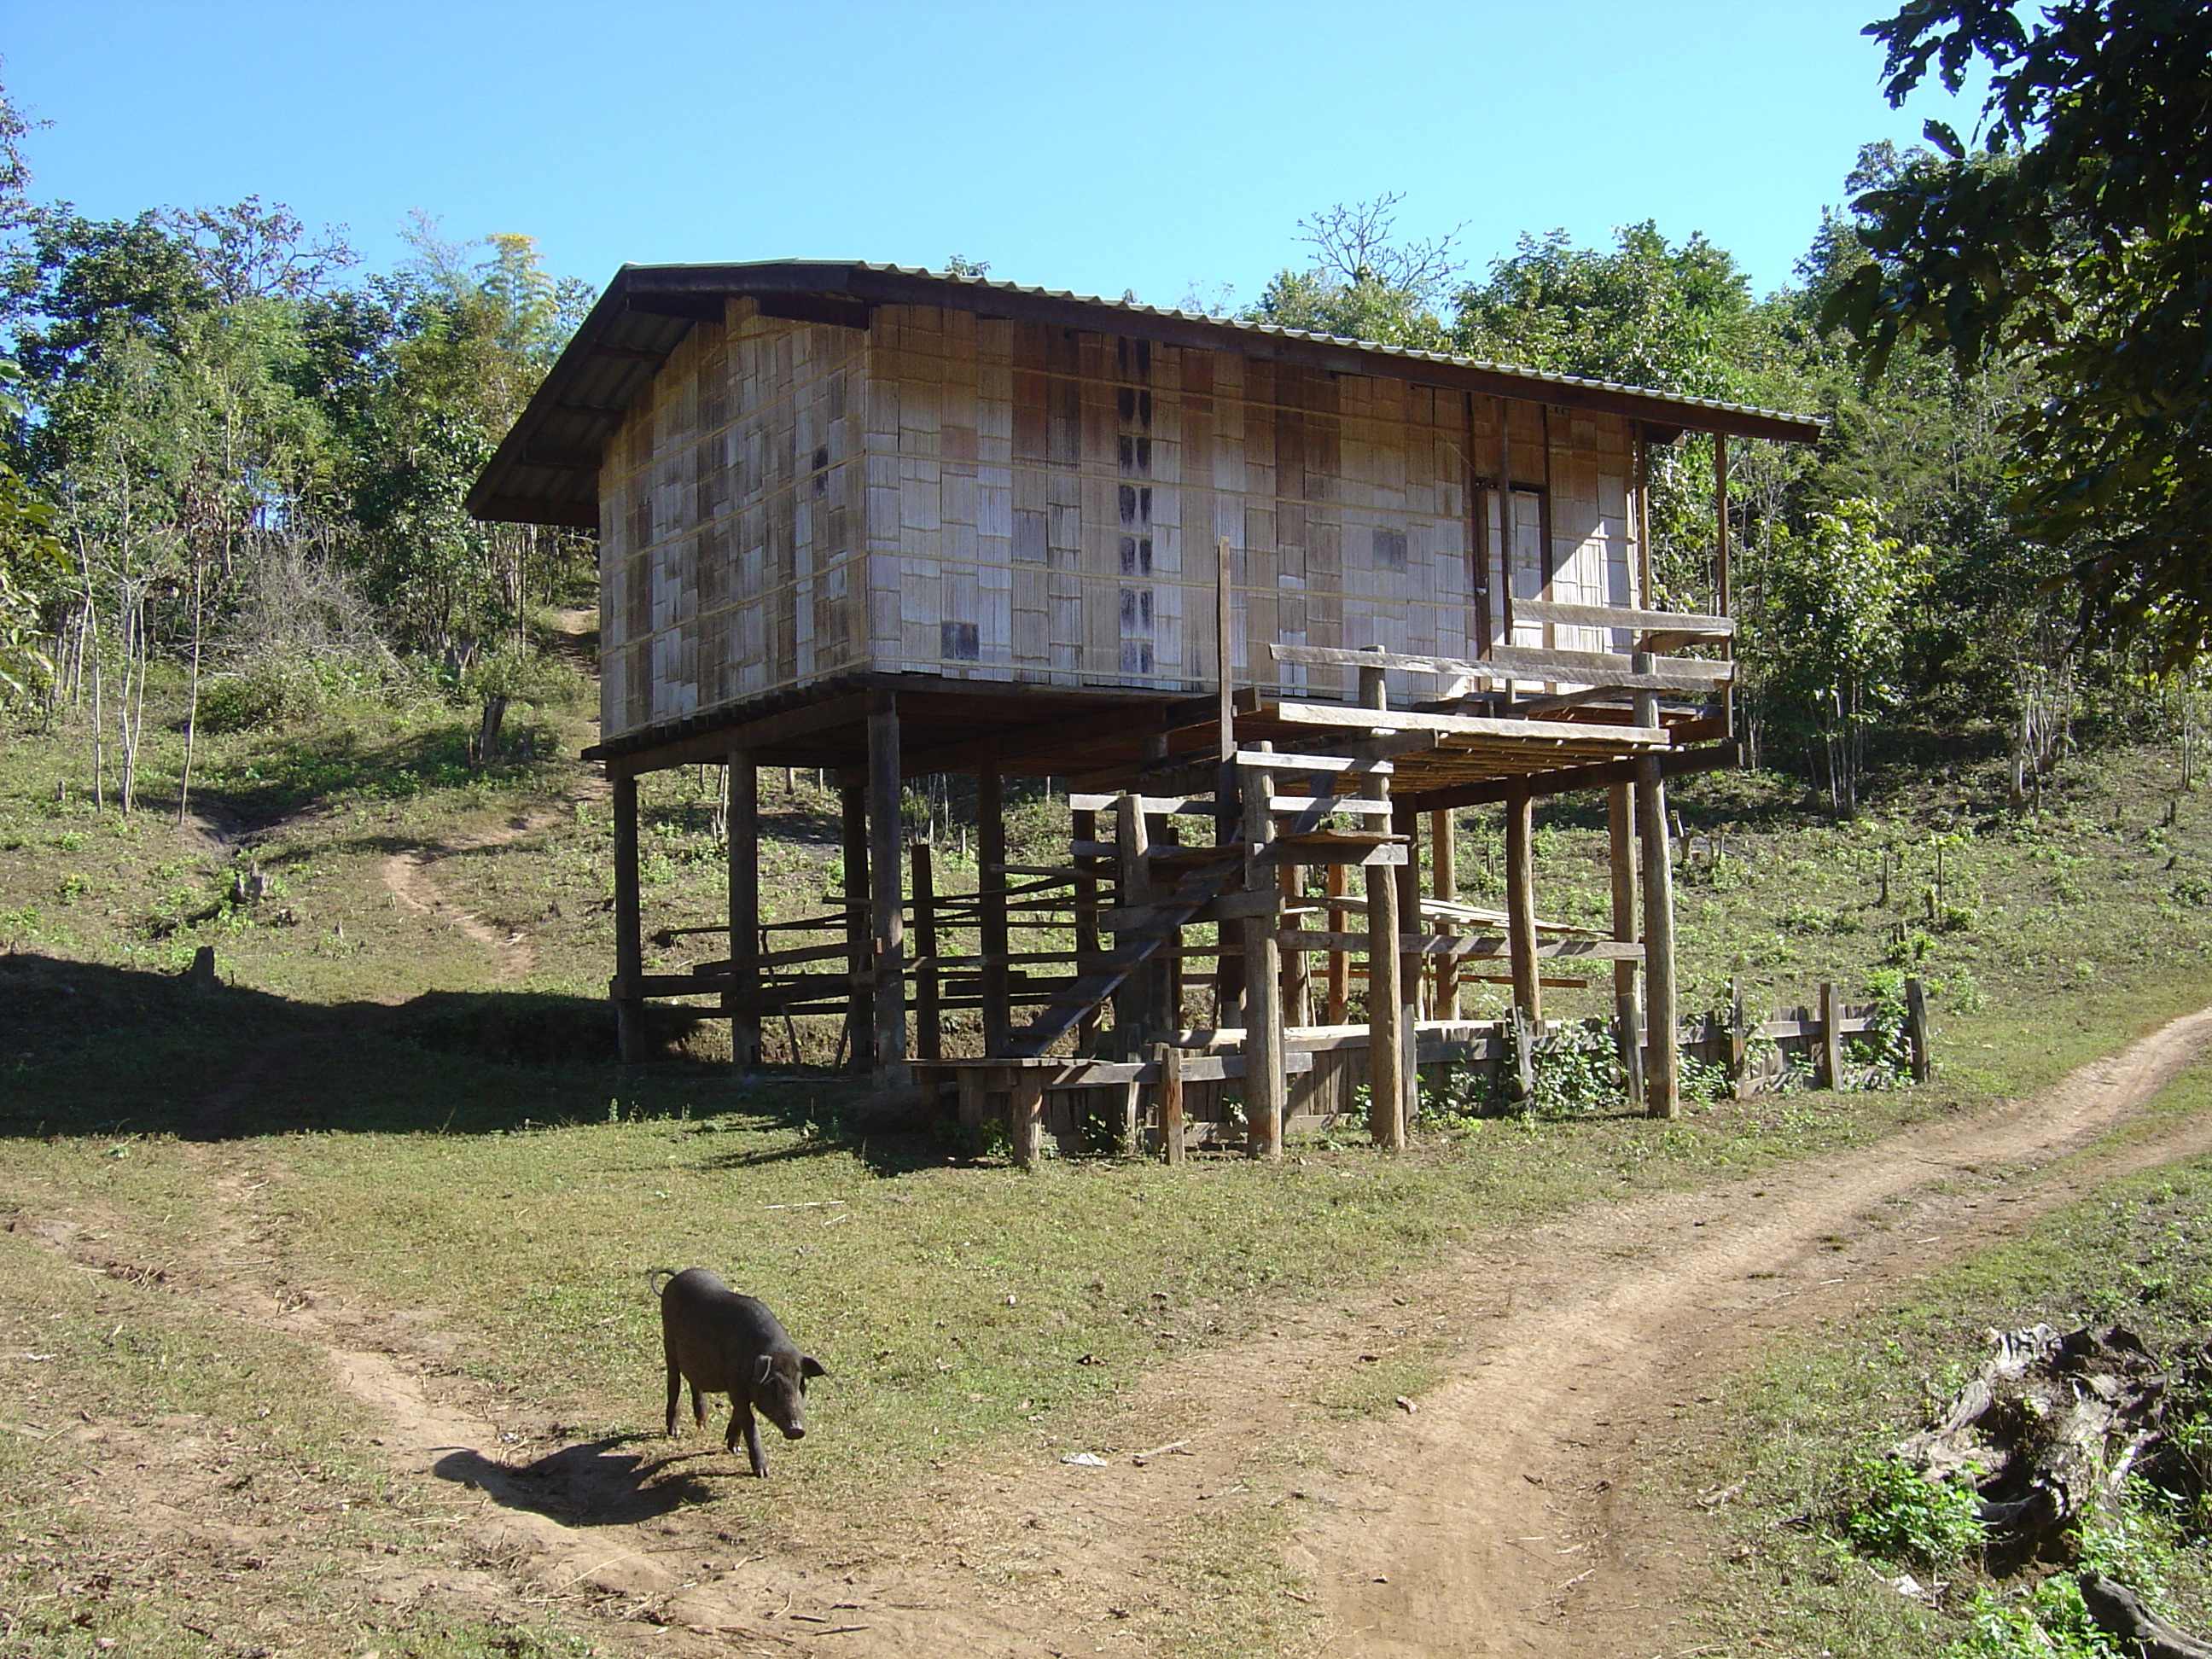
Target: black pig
(721, 1342)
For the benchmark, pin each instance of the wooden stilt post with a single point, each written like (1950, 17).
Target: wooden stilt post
(1443, 883)
(1263, 982)
(1088, 948)
(741, 827)
(886, 901)
(1025, 1115)
(1405, 821)
(1387, 1106)
(1170, 1060)
(1663, 1063)
(1340, 961)
(1132, 845)
(928, 998)
(1229, 970)
(852, 826)
(1297, 998)
(991, 899)
(629, 936)
(1521, 898)
(1628, 1022)
(1720, 574)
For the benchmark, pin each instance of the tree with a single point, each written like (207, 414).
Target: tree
(1361, 284)
(2077, 238)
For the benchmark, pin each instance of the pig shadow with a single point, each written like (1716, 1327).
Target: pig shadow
(594, 1483)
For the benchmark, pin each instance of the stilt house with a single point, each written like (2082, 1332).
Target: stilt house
(1269, 602)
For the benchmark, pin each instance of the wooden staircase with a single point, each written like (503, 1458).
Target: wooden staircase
(1206, 874)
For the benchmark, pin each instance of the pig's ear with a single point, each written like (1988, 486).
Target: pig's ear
(810, 1366)
(761, 1369)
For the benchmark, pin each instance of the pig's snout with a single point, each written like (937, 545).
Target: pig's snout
(793, 1430)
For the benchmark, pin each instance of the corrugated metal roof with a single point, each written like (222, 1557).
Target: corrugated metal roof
(546, 469)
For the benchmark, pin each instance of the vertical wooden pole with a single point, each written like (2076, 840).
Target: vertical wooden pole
(1340, 961)
(992, 942)
(1915, 1028)
(1087, 944)
(928, 1004)
(853, 826)
(1642, 444)
(1296, 965)
(886, 900)
(1025, 1115)
(1521, 898)
(1443, 883)
(1831, 1034)
(1738, 1044)
(1662, 1072)
(1132, 842)
(1263, 982)
(1388, 1107)
(629, 936)
(1406, 822)
(1170, 1061)
(1620, 837)
(741, 826)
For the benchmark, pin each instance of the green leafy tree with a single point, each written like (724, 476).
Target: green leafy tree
(1826, 641)
(2075, 238)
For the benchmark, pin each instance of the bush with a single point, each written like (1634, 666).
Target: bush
(1900, 1515)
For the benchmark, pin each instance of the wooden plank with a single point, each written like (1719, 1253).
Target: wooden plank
(1342, 715)
(1169, 1060)
(1665, 673)
(1152, 805)
(1464, 946)
(1680, 763)
(754, 734)
(1285, 761)
(1607, 616)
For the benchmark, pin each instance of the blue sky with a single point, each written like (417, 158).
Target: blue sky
(1099, 147)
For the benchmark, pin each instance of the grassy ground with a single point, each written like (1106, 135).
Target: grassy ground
(412, 1127)
(2136, 1254)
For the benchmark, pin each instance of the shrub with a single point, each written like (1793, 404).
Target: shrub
(1901, 1515)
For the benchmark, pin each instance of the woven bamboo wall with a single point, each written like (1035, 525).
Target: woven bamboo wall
(980, 499)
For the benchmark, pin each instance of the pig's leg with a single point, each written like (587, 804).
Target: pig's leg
(698, 1408)
(675, 1390)
(744, 1414)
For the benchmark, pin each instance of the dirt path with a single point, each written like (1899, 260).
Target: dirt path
(1501, 1516)
(406, 874)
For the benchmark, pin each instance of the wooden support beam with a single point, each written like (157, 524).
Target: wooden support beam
(630, 935)
(1663, 1074)
(928, 1009)
(1521, 901)
(1333, 716)
(1025, 1116)
(1388, 1105)
(1339, 979)
(886, 900)
(853, 834)
(1296, 996)
(1263, 991)
(1443, 883)
(1170, 1060)
(1088, 945)
(1643, 621)
(1620, 836)
(1672, 764)
(741, 830)
(849, 709)
(1464, 947)
(991, 895)
(1405, 821)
